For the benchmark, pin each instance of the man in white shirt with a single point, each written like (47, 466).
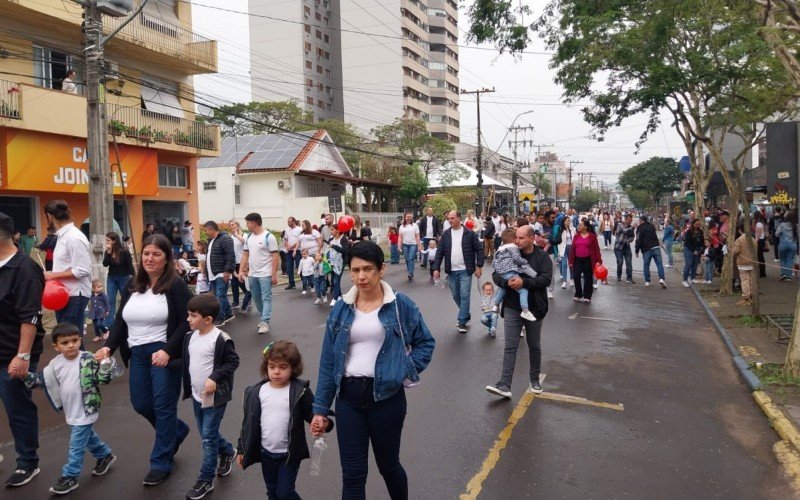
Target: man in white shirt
(463, 256)
(72, 263)
(429, 230)
(259, 266)
(291, 243)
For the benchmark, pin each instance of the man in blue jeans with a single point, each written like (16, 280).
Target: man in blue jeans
(221, 264)
(463, 256)
(260, 266)
(21, 332)
(647, 243)
(291, 241)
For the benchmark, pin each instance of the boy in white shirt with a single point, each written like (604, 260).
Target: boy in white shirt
(209, 360)
(307, 271)
(72, 383)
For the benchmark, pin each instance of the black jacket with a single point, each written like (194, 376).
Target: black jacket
(226, 361)
(122, 268)
(489, 230)
(470, 245)
(694, 241)
(300, 402)
(222, 259)
(21, 287)
(423, 227)
(646, 237)
(537, 287)
(177, 300)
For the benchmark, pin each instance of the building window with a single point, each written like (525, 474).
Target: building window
(320, 104)
(50, 68)
(307, 46)
(319, 69)
(328, 73)
(319, 34)
(310, 100)
(237, 194)
(309, 65)
(327, 39)
(306, 11)
(307, 28)
(320, 87)
(309, 82)
(209, 186)
(172, 176)
(317, 16)
(327, 55)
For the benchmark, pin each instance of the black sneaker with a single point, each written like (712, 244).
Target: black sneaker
(64, 485)
(103, 464)
(155, 477)
(499, 390)
(462, 328)
(630, 282)
(199, 490)
(21, 477)
(225, 464)
(290, 287)
(535, 387)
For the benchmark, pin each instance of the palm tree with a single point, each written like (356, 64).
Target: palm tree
(542, 183)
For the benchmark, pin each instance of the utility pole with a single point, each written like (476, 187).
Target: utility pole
(539, 170)
(515, 169)
(101, 194)
(569, 195)
(480, 149)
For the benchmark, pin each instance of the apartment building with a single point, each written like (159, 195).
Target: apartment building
(379, 60)
(148, 96)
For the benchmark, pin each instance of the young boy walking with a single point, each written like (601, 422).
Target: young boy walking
(209, 360)
(72, 383)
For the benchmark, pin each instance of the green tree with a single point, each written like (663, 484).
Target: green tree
(653, 177)
(255, 118)
(464, 197)
(441, 204)
(639, 199)
(541, 181)
(586, 199)
(413, 183)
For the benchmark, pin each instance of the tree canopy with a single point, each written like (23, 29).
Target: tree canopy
(255, 118)
(586, 199)
(653, 177)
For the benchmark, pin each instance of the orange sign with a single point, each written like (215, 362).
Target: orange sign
(44, 162)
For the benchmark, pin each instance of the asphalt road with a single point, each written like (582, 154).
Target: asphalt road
(689, 427)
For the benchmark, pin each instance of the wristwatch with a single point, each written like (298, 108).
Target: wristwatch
(24, 356)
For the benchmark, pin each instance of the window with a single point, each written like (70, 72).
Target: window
(307, 46)
(329, 106)
(309, 65)
(439, 66)
(328, 73)
(309, 82)
(307, 28)
(317, 16)
(327, 55)
(237, 194)
(319, 69)
(327, 39)
(310, 100)
(320, 104)
(50, 68)
(319, 34)
(320, 87)
(172, 176)
(209, 186)
(161, 96)
(306, 11)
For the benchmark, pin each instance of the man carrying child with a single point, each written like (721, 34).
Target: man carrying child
(508, 263)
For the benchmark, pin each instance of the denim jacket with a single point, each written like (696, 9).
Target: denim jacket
(406, 351)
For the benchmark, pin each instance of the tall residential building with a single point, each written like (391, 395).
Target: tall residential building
(366, 62)
(148, 101)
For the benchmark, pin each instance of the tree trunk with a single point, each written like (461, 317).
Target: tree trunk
(792, 366)
(726, 281)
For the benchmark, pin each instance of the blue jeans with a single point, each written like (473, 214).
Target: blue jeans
(410, 254)
(239, 286)
(23, 418)
(292, 263)
(278, 476)
(624, 254)
(336, 286)
(261, 291)
(668, 247)
(176, 250)
(564, 265)
(214, 445)
(786, 253)
(221, 292)
(114, 284)
(709, 265)
(308, 281)
(319, 286)
(490, 319)
(501, 292)
(188, 248)
(394, 254)
(460, 287)
(74, 312)
(690, 261)
(359, 420)
(647, 256)
(606, 238)
(425, 247)
(154, 395)
(82, 437)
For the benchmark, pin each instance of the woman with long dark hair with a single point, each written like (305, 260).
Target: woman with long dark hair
(584, 254)
(786, 233)
(693, 247)
(117, 258)
(148, 330)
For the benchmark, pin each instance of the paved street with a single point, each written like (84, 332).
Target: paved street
(687, 427)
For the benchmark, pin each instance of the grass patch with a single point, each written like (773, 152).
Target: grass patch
(751, 321)
(772, 374)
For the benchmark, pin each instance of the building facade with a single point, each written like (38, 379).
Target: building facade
(148, 102)
(366, 63)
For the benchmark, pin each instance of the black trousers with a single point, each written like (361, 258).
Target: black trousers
(582, 274)
(762, 267)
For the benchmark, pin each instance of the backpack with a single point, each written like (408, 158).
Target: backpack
(555, 236)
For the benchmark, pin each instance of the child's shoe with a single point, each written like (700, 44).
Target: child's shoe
(492, 332)
(64, 485)
(200, 490)
(494, 308)
(316, 302)
(103, 464)
(526, 314)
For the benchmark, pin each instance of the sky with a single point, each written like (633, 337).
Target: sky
(521, 84)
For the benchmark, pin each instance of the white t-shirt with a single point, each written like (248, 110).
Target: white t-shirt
(275, 415)
(146, 315)
(68, 374)
(408, 234)
(366, 339)
(429, 226)
(260, 248)
(5, 261)
(457, 262)
(309, 242)
(238, 248)
(292, 234)
(211, 276)
(445, 225)
(201, 360)
(760, 231)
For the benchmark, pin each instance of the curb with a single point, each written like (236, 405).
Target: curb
(782, 425)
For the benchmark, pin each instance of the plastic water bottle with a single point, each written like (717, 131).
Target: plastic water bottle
(320, 445)
(111, 364)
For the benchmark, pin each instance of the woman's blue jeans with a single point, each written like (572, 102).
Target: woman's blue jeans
(690, 261)
(410, 254)
(668, 247)
(114, 284)
(154, 395)
(786, 252)
(564, 265)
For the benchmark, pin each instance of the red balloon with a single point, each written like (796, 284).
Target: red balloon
(55, 296)
(345, 223)
(470, 224)
(600, 272)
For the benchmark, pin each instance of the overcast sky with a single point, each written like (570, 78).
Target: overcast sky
(521, 84)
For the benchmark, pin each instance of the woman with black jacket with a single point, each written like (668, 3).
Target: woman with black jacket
(148, 330)
(119, 262)
(694, 244)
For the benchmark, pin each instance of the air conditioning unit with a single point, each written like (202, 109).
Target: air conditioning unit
(114, 8)
(111, 70)
(285, 184)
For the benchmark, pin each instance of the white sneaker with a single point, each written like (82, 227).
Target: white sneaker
(776, 260)
(494, 308)
(549, 294)
(333, 302)
(685, 284)
(595, 285)
(304, 292)
(563, 285)
(527, 315)
(696, 281)
(646, 283)
(317, 302)
(499, 391)
(663, 284)
(263, 327)
(668, 265)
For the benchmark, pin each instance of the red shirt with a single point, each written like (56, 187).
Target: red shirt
(393, 238)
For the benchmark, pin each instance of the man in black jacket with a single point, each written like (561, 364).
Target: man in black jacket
(220, 265)
(428, 230)
(647, 243)
(513, 323)
(462, 253)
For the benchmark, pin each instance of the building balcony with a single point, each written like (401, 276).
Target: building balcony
(39, 109)
(444, 129)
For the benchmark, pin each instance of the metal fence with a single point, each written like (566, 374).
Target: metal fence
(148, 126)
(9, 99)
